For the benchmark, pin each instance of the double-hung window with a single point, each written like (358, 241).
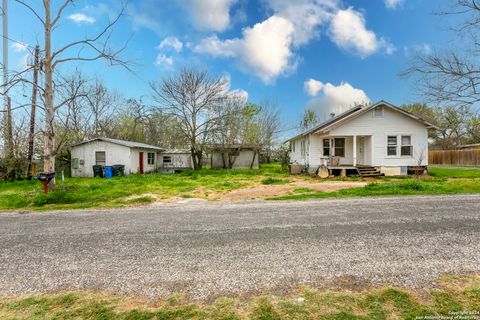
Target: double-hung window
(391, 146)
(100, 158)
(302, 147)
(151, 158)
(326, 147)
(339, 145)
(406, 147)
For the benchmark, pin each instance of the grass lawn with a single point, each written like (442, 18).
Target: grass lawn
(133, 189)
(454, 294)
(78, 193)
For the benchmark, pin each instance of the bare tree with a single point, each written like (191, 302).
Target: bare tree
(87, 49)
(452, 77)
(192, 98)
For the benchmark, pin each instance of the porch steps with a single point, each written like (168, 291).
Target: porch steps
(367, 171)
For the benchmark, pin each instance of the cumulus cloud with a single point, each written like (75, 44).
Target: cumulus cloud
(313, 87)
(80, 18)
(19, 47)
(348, 31)
(394, 4)
(210, 15)
(335, 99)
(171, 42)
(269, 48)
(264, 48)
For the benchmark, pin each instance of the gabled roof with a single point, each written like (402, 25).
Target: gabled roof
(354, 113)
(125, 143)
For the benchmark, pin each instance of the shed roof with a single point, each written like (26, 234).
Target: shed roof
(176, 151)
(130, 144)
(355, 112)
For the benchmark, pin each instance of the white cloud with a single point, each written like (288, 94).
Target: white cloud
(171, 42)
(349, 32)
(335, 99)
(264, 48)
(164, 61)
(81, 18)
(210, 15)
(240, 94)
(313, 87)
(423, 49)
(394, 4)
(306, 15)
(19, 47)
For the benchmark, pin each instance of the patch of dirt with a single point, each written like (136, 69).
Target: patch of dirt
(264, 191)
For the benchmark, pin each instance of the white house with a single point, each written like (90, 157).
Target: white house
(135, 156)
(380, 138)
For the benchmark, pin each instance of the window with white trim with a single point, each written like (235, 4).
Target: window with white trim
(406, 148)
(151, 158)
(326, 147)
(339, 145)
(391, 146)
(302, 147)
(100, 158)
(292, 146)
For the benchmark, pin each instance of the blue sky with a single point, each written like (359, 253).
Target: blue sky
(326, 54)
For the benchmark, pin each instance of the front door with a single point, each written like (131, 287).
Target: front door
(361, 150)
(140, 161)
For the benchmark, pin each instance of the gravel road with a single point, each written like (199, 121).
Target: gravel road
(211, 249)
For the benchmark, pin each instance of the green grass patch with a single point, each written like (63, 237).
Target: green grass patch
(303, 190)
(454, 173)
(271, 180)
(403, 187)
(78, 193)
(454, 294)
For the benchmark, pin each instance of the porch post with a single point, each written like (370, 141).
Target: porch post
(354, 151)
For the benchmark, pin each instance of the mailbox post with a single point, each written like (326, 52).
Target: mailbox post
(45, 178)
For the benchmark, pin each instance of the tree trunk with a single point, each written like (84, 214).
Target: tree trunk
(49, 150)
(31, 136)
(253, 159)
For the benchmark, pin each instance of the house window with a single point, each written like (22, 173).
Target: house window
(378, 112)
(302, 148)
(406, 148)
(151, 158)
(167, 159)
(292, 146)
(339, 147)
(326, 147)
(75, 163)
(391, 145)
(100, 158)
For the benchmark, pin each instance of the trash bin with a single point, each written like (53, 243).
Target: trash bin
(118, 170)
(98, 171)
(108, 172)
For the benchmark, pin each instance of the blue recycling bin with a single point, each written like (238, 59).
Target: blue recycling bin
(108, 172)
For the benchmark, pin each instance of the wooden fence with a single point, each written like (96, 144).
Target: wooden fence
(454, 157)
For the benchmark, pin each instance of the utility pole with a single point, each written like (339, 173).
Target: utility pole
(31, 136)
(6, 100)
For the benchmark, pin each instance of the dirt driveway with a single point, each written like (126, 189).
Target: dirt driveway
(264, 191)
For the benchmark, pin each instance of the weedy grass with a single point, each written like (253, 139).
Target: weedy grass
(453, 294)
(78, 193)
(271, 180)
(410, 186)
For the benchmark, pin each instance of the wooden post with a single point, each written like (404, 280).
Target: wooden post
(354, 150)
(31, 135)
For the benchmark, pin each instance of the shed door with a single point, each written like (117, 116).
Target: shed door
(140, 161)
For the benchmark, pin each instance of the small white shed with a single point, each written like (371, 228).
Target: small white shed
(137, 157)
(174, 160)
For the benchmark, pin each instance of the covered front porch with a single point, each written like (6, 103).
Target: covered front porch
(347, 155)
(346, 151)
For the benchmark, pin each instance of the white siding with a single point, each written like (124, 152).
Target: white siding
(297, 156)
(114, 154)
(179, 160)
(392, 123)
